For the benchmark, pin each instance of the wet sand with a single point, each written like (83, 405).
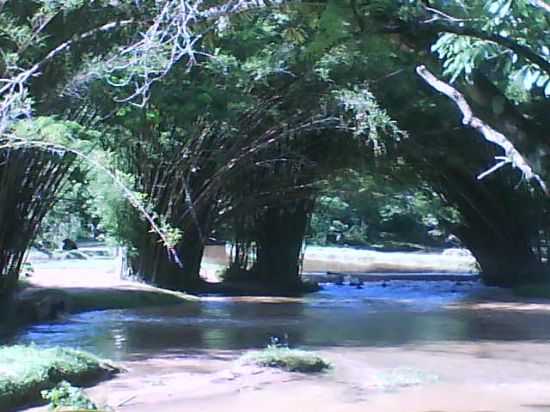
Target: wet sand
(501, 362)
(488, 376)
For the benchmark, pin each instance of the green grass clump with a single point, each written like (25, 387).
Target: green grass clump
(67, 397)
(292, 360)
(25, 371)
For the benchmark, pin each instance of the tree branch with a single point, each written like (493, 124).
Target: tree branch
(511, 155)
(542, 4)
(436, 26)
(13, 91)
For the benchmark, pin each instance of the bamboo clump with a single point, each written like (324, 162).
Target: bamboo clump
(29, 180)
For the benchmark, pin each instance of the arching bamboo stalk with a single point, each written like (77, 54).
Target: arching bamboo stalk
(29, 180)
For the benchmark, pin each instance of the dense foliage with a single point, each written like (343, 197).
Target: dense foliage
(232, 116)
(375, 210)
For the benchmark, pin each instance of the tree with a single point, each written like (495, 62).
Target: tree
(338, 53)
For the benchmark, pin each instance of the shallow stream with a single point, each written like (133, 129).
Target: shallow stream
(381, 314)
(394, 346)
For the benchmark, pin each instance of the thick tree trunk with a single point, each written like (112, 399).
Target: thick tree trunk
(499, 232)
(504, 261)
(154, 264)
(281, 233)
(502, 218)
(7, 307)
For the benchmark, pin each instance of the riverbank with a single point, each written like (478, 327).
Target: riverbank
(350, 260)
(454, 377)
(93, 283)
(59, 287)
(342, 260)
(406, 343)
(25, 371)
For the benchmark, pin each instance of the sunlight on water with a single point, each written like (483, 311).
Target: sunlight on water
(346, 259)
(390, 313)
(392, 343)
(318, 258)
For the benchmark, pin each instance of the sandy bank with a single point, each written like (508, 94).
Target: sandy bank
(451, 377)
(73, 286)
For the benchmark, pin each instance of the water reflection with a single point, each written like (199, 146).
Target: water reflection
(379, 315)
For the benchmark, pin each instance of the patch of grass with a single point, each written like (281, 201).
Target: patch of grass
(25, 371)
(292, 360)
(68, 397)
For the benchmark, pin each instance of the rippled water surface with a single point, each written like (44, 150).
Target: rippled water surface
(395, 346)
(381, 314)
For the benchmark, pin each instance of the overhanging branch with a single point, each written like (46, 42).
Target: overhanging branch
(507, 42)
(511, 154)
(13, 91)
(438, 26)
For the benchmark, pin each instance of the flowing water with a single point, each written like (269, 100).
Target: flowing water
(381, 314)
(394, 346)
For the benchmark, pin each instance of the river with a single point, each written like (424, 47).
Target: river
(394, 346)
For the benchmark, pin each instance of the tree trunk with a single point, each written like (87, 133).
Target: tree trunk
(154, 264)
(280, 236)
(505, 262)
(499, 232)
(502, 218)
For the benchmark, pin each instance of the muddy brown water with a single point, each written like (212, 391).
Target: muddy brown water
(394, 346)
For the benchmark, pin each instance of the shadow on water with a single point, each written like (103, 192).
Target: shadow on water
(396, 314)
